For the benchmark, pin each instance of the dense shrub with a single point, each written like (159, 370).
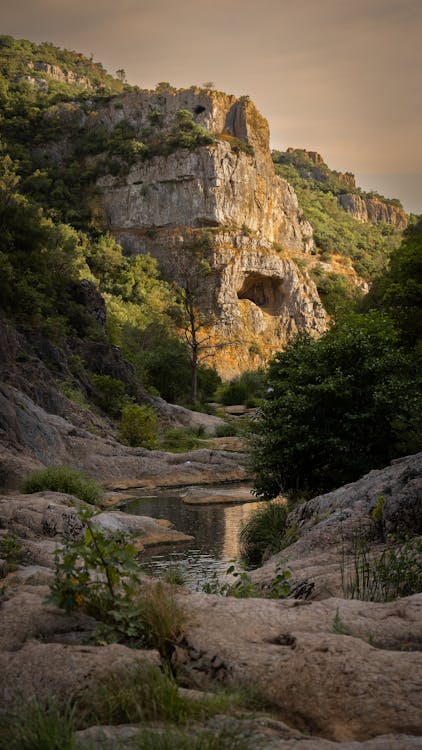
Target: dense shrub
(339, 406)
(139, 426)
(110, 394)
(64, 479)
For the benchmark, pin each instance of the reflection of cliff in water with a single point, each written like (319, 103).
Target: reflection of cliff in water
(215, 529)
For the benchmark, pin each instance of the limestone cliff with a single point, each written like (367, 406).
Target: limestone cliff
(229, 187)
(373, 208)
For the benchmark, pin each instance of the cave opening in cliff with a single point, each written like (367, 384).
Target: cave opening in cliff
(199, 109)
(264, 291)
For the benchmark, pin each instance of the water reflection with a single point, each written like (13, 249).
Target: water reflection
(215, 529)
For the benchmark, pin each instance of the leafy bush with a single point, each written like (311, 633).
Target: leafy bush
(263, 533)
(247, 388)
(245, 588)
(101, 573)
(64, 479)
(339, 406)
(110, 394)
(139, 426)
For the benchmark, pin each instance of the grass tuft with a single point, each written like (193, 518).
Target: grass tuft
(41, 727)
(64, 479)
(263, 533)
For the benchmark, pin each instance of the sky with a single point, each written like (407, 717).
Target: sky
(341, 77)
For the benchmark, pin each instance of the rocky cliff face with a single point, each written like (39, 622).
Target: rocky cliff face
(229, 186)
(370, 208)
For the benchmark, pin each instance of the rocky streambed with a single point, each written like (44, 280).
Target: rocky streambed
(335, 672)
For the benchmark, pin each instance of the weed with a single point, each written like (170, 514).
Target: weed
(64, 479)
(338, 624)
(376, 512)
(245, 588)
(10, 550)
(159, 617)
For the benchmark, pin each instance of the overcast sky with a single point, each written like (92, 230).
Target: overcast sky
(342, 77)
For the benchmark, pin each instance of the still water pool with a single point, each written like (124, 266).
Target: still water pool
(215, 529)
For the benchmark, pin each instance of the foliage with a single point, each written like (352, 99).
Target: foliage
(339, 406)
(396, 572)
(110, 393)
(246, 389)
(337, 294)
(10, 549)
(100, 572)
(41, 727)
(182, 439)
(64, 479)
(139, 425)
(399, 292)
(367, 245)
(263, 533)
(245, 588)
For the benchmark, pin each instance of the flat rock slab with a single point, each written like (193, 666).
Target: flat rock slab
(210, 496)
(149, 531)
(332, 685)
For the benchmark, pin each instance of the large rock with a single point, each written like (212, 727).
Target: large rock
(385, 501)
(366, 208)
(31, 438)
(258, 295)
(330, 685)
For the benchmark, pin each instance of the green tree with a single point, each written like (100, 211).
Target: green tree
(337, 408)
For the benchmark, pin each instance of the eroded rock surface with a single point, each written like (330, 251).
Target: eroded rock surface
(331, 685)
(385, 501)
(31, 438)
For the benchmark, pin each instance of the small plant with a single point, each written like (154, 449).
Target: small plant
(110, 394)
(396, 572)
(180, 440)
(264, 532)
(10, 550)
(159, 618)
(41, 727)
(376, 512)
(175, 576)
(64, 479)
(245, 588)
(139, 426)
(228, 429)
(338, 624)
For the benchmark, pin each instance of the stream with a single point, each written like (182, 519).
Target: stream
(215, 529)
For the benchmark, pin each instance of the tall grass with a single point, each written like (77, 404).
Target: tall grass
(263, 533)
(396, 572)
(64, 479)
(40, 727)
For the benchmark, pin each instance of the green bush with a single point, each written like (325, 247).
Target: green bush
(64, 479)
(247, 388)
(139, 426)
(10, 550)
(262, 534)
(110, 394)
(339, 407)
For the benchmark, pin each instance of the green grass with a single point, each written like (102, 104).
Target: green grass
(181, 440)
(223, 739)
(64, 479)
(147, 694)
(264, 532)
(160, 617)
(396, 572)
(40, 727)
